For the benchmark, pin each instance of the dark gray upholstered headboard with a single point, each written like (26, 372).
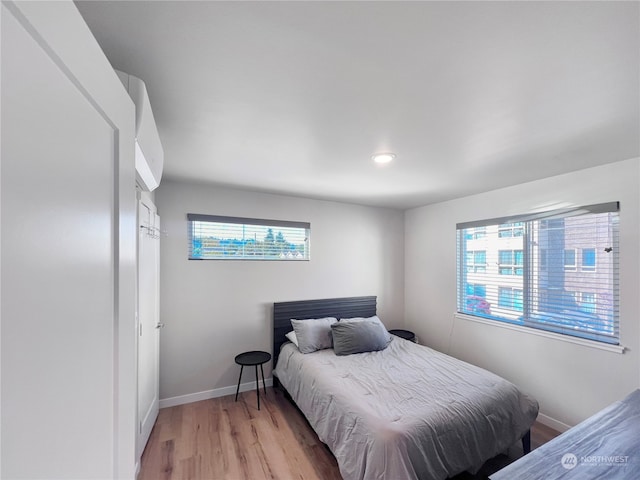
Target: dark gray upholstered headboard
(345, 307)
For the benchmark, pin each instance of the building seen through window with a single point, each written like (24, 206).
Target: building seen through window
(558, 274)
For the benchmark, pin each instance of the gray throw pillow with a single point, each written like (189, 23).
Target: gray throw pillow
(373, 319)
(313, 334)
(359, 337)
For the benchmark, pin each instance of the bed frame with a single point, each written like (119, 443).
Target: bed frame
(345, 307)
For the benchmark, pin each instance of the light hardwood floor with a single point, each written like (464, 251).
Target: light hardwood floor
(223, 439)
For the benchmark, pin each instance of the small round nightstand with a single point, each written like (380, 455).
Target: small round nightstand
(406, 334)
(254, 358)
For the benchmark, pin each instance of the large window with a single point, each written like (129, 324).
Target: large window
(555, 271)
(231, 238)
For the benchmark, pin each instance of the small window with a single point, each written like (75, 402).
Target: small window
(510, 262)
(474, 289)
(588, 302)
(507, 230)
(510, 298)
(476, 233)
(570, 259)
(213, 237)
(588, 259)
(477, 261)
(480, 233)
(543, 259)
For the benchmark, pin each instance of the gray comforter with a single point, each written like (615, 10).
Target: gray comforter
(407, 412)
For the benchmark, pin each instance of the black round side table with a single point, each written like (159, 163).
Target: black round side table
(254, 358)
(406, 334)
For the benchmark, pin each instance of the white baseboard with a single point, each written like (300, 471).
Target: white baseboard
(553, 423)
(207, 394)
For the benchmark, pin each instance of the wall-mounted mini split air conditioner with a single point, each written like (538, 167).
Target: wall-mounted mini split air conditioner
(149, 152)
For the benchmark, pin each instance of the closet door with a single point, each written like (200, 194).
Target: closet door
(67, 251)
(149, 320)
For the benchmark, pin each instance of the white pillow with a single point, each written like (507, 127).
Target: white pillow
(313, 334)
(291, 336)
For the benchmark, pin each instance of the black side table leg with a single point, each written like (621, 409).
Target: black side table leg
(257, 387)
(263, 384)
(239, 378)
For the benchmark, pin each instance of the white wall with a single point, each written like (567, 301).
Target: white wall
(214, 310)
(570, 381)
(68, 251)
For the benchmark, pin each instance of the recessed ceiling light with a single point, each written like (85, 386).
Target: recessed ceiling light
(383, 157)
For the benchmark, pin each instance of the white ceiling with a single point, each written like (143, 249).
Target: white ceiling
(295, 97)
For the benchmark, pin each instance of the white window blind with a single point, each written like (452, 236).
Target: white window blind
(555, 271)
(214, 237)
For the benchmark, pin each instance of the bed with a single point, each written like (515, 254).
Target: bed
(605, 445)
(406, 412)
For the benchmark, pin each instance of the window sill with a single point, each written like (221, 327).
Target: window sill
(542, 333)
